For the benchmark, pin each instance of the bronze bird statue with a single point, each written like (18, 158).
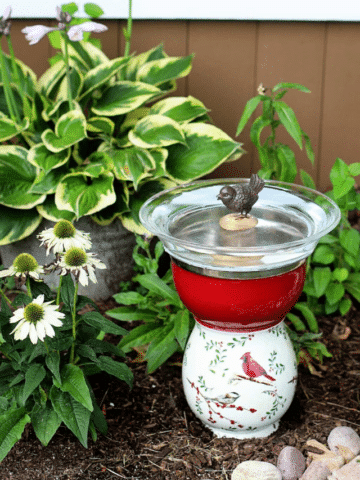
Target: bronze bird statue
(240, 198)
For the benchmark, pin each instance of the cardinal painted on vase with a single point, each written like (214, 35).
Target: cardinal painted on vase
(253, 369)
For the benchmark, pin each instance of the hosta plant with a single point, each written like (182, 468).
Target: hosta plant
(95, 136)
(50, 344)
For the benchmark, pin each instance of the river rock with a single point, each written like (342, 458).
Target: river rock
(254, 470)
(316, 471)
(346, 437)
(350, 471)
(291, 463)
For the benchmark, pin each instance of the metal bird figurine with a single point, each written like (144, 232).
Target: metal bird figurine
(240, 198)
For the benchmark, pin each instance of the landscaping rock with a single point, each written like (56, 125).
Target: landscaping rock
(291, 463)
(350, 471)
(316, 471)
(254, 470)
(346, 437)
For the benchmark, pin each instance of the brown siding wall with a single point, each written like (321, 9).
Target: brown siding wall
(233, 58)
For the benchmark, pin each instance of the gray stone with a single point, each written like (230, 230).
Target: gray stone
(112, 243)
(316, 471)
(350, 471)
(291, 463)
(346, 437)
(254, 470)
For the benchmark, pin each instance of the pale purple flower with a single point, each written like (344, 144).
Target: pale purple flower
(76, 32)
(36, 33)
(5, 22)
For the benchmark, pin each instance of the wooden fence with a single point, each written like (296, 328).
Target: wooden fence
(233, 58)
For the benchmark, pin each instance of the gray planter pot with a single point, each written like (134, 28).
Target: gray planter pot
(113, 245)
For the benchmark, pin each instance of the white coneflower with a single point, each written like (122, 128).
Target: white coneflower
(36, 320)
(62, 236)
(81, 264)
(23, 266)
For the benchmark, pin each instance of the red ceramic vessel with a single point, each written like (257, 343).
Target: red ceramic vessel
(239, 305)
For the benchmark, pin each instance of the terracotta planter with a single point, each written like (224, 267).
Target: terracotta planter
(113, 245)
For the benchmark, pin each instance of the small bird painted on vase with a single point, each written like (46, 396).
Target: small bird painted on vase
(226, 399)
(253, 369)
(240, 198)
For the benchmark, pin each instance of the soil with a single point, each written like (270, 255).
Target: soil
(153, 435)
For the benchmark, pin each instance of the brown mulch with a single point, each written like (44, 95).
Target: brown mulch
(153, 435)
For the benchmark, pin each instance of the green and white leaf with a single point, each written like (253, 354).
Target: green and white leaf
(16, 177)
(100, 125)
(41, 157)
(49, 210)
(52, 76)
(69, 129)
(180, 109)
(132, 164)
(84, 195)
(122, 97)
(9, 129)
(160, 71)
(76, 84)
(17, 224)
(206, 148)
(99, 75)
(136, 62)
(156, 131)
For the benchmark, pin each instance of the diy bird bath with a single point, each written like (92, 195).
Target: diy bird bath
(239, 367)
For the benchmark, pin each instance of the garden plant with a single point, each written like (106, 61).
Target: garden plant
(50, 343)
(94, 136)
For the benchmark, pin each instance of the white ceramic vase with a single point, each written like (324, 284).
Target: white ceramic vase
(239, 384)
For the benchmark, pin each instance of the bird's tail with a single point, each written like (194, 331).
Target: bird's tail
(256, 183)
(270, 378)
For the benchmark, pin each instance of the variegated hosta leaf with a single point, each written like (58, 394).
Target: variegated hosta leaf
(16, 177)
(17, 224)
(160, 156)
(100, 125)
(133, 117)
(46, 183)
(76, 84)
(122, 97)
(107, 215)
(131, 220)
(132, 164)
(86, 54)
(49, 211)
(9, 129)
(26, 78)
(207, 147)
(99, 75)
(156, 131)
(180, 109)
(83, 194)
(41, 157)
(52, 77)
(165, 69)
(135, 63)
(69, 129)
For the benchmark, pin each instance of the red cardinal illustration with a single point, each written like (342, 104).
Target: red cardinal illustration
(252, 368)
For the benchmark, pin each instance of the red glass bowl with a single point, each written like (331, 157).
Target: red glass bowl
(239, 304)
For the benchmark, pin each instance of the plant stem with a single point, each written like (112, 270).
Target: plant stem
(10, 101)
(58, 291)
(8, 301)
(128, 31)
(26, 106)
(73, 314)
(66, 59)
(28, 287)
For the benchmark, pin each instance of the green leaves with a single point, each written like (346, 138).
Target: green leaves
(75, 416)
(69, 129)
(156, 131)
(155, 285)
(160, 71)
(45, 422)
(124, 97)
(289, 121)
(12, 425)
(73, 382)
